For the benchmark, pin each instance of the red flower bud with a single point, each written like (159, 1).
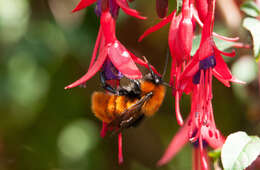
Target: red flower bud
(185, 32)
(202, 7)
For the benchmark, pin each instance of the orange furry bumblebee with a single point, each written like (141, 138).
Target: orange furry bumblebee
(126, 106)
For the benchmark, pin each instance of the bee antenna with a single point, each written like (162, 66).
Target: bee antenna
(150, 68)
(167, 84)
(166, 63)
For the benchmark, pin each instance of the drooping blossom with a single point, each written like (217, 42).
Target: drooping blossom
(207, 57)
(180, 42)
(110, 48)
(201, 132)
(109, 55)
(196, 80)
(114, 7)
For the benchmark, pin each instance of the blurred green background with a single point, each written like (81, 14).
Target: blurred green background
(44, 47)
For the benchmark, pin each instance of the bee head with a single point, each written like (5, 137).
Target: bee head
(152, 77)
(156, 79)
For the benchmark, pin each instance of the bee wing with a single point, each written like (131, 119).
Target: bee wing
(130, 115)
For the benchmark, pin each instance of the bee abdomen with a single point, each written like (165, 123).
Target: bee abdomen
(120, 104)
(99, 106)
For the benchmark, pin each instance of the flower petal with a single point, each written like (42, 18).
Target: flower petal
(122, 60)
(143, 63)
(191, 69)
(202, 6)
(197, 18)
(156, 27)
(231, 39)
(212, 136)
(235, 80)
(177, 142)
(83, 4)
(124, 5)
(206, 48)
(222, 68)
(99, 38)
(220, 78)
(92, 71)
(228, 54)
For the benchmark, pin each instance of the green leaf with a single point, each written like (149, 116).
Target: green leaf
(215, 154)
(250, 8)
(239, 151)
(179, 6)
(253, 26)
(221, 44)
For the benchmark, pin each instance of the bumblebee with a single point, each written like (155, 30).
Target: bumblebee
(125, 107)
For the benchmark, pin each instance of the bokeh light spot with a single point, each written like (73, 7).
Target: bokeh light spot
(14, 16)
(77, 139)
(245, 69)
(28, 82)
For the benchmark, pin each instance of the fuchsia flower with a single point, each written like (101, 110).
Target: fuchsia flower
(110, 48)
(180, 43)
(114, 6)
(208, 56)
(196, 79)
(189, 74)
(113, 58)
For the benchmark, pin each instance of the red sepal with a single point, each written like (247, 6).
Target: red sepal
(156, 27)
(222, 68)
(177, 142)
(122, 60)
(220, 78)
(142, 63)
(92, 71)
(83, 4)
(125, 7)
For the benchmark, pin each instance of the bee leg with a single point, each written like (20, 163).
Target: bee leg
(138, 121)
(109, 88)
(104, 84)
(136, 116)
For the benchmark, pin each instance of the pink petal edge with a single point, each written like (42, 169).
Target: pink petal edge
(156, 27)
(127, 10)
(142, 63)
(92, 71)
(196, 17)
(83, 4)
(122, 60)
(177, 142)
(222, 68)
